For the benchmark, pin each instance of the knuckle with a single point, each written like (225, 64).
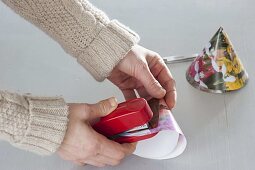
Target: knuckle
(121, 156)
(103, 106)
(171, 105)
(154, 83)
(115, 162)
(170, 85)
(157, 56)
(159, 60)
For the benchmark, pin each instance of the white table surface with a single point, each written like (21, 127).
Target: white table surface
(220, 129)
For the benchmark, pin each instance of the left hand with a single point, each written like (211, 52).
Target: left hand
(83, 145)
(144, 71)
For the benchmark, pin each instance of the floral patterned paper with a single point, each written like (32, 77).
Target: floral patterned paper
(218, 68)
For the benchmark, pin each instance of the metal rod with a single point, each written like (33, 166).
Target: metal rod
(179, 59)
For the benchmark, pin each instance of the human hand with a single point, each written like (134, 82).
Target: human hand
(83, 145)
(144, 71)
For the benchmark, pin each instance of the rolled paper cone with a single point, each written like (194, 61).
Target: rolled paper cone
(169, 141)
(218, 68)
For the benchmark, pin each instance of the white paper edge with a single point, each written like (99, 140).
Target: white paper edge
(178, 145)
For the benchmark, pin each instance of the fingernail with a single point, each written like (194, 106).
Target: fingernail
(113, 101)
(163, 90)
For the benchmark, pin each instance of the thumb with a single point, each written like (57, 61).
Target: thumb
(152, 86)
(103, 108)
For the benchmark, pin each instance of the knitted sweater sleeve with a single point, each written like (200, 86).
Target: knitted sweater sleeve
(83, 31)
(36, 124)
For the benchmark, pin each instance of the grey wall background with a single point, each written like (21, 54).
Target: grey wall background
(219, 128)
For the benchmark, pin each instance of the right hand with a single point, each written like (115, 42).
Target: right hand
(83, 145)
(144, 71)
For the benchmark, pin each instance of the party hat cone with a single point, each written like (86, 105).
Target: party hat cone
(218, 68)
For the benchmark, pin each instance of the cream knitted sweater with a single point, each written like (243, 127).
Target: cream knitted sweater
(38, 124)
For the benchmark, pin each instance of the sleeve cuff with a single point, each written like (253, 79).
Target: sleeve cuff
(47, 126)
(111, 45)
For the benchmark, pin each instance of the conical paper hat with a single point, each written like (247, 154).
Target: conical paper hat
(218, 68)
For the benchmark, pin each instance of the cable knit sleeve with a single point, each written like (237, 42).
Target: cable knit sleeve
(82, 30)
(36, 124)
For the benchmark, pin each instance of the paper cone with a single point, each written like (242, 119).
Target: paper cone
(169, 141)
(218, 68)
